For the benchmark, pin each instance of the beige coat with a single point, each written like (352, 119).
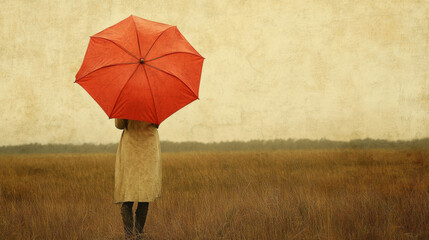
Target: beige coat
(138, 167)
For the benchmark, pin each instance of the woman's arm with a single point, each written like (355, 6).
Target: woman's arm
(120, 123)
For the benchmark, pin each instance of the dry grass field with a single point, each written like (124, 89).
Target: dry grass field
(296, 194)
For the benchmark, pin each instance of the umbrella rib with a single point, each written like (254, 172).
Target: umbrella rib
(156, 41)
(123, 90)
(138, 41)
(118, 46)
(173, 53)
(153, 99)
(116, 64)
(174, 77)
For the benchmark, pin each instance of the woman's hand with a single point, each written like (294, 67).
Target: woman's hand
(121, 123)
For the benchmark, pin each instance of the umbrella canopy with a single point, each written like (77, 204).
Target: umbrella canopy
(141, 70)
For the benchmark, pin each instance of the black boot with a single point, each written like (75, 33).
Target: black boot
(141, 213)
(127, 219)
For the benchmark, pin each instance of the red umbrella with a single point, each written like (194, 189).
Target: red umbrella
(141, 70)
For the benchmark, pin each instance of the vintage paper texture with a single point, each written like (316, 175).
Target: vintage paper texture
(274, 69)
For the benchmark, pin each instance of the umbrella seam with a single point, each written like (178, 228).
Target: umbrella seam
(138, 41)
(156, 41)
(116, 64)
(123, 90)
(173, 53)
(118, 46)
(174, 77)
(153, 99)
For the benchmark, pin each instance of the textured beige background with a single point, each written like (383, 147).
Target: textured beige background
(336, 69)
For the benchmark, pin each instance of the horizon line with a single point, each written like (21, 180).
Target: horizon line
(226, 141)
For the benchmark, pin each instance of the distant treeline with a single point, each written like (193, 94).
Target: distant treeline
(277, 144)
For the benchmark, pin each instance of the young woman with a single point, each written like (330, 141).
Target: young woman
(138, 172)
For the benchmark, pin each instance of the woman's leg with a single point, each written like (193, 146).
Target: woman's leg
(141, 213)
(127, 218)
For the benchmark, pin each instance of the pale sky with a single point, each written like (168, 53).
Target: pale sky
(334, 69)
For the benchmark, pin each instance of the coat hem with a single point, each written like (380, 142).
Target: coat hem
(153, 199)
